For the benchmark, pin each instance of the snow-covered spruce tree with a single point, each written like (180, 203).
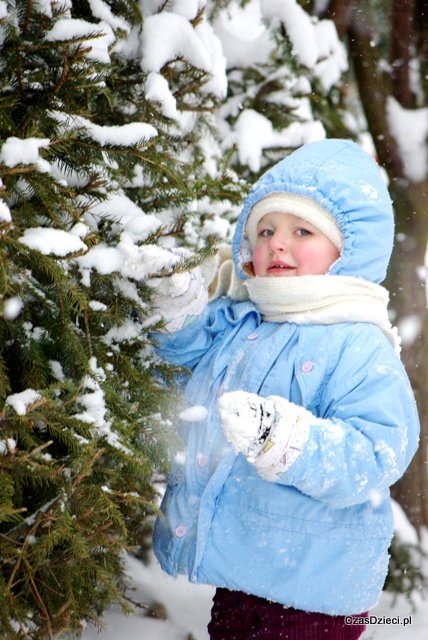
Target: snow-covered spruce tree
(106, 158)
(286, 76)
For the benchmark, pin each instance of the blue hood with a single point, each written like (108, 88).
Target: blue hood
(347, 182)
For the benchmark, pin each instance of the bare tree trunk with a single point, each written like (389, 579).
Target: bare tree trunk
(340, 11)
(409, 301)
(421, 28)
(374, 86)
(402, 50)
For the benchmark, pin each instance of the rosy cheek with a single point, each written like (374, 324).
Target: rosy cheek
(258, 259)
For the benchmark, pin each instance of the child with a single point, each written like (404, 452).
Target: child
(282, 498)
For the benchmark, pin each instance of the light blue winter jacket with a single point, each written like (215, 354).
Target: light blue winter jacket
(318, 538)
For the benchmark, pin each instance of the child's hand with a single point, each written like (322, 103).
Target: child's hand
(246, 420)
(176, 284)
(271, 432)
(181, 297)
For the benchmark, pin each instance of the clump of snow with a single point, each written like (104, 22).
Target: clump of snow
(95, 412)
(3, 9)
(410, 129)
(95, 305)
(130, 260)
(5, 215)
(410, 329)
(52, 241)
(16, 151)
(217, 85)
(157, 90)
(102, 11)
(186, 8)
(57, 370)
(299, 26)
(241, 419)
(254, 133)
(126, 135)
(132, 222)
(7, 446)
(168, 36)
(197, 413)
(245, 38)
(104, 259)
(97, 48)
(22, 401)
(332, 56)
(12, 307)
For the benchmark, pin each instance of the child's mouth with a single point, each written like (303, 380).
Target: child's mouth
(279, 267)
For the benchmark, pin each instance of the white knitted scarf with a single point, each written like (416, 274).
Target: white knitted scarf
(323, 300)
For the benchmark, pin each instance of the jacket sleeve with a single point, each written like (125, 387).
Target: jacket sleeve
(363, 436)
(187, 346)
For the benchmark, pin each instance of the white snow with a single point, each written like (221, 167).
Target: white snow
(167, 36)
(52, 241)
(21, 401)
(7, 446)
(15, 151)
(102, 11)
(409, 329)
(69, 29)
(3, 9)
(157, 90)
(12, 307)
(299, 26)
(125, 135)
(245, 39)
(197, 413)
(410, 129)
(4, 212)
(403, 528)
(254, 133)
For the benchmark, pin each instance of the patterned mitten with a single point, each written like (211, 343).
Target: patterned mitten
(246, 420)
(271, 432)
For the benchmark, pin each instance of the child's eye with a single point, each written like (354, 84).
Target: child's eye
(303, 232)
(265, 233)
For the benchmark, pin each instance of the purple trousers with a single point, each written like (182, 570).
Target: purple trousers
(238, 616)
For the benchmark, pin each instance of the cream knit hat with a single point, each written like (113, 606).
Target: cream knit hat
(300, 206)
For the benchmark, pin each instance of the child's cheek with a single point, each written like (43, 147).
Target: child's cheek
(259, 259)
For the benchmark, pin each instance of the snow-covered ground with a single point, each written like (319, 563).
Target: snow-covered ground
(189, 606)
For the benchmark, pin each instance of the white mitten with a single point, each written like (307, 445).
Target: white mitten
(177, 283)
(246, 420)
(220, 274)
(271, 432)
(181, 297)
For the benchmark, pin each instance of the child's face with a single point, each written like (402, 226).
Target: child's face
(289, 246)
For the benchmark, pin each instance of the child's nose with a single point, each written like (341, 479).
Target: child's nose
(278, 242)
